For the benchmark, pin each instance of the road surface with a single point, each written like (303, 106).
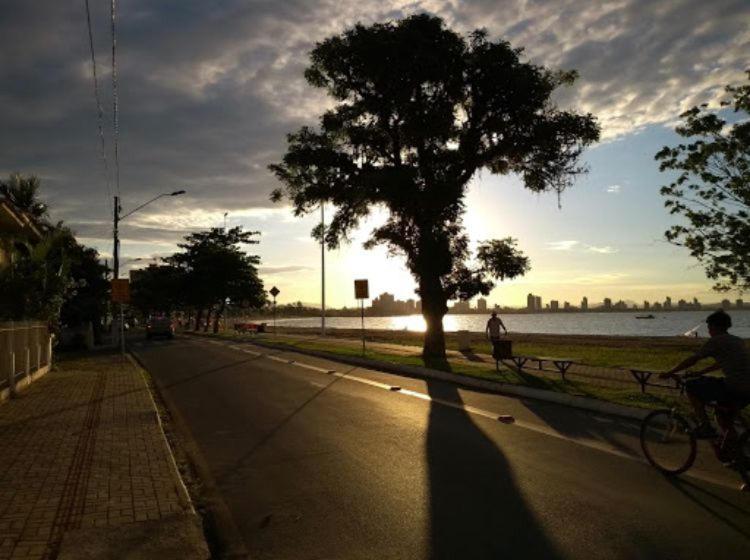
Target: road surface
(312, 464)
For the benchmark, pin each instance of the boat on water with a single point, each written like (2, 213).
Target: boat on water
(649, 316)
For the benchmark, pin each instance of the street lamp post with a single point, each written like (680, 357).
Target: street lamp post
(118, 218)
(322, 270)
(116, 249)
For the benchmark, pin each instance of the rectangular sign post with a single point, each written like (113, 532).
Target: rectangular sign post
(362, 292)
(274, 292)
(120, 290)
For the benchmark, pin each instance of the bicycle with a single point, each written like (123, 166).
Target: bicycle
(669, 442)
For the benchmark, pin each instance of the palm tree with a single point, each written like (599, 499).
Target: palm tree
(23, 193)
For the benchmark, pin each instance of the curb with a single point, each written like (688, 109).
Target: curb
(582, 403)
(219, 529)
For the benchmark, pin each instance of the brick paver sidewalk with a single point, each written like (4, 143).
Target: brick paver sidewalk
(81, 448)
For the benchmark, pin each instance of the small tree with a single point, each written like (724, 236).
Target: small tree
(217, 271)
(88, 295)
(420, 110)
(712, 190)
(159, 288)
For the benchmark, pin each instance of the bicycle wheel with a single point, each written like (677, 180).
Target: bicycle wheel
(667, 442)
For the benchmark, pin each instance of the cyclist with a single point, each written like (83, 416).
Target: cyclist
(732, 357)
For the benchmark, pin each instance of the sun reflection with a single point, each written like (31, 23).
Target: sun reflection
(416, 323)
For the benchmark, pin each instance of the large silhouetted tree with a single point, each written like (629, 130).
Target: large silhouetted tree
(420, 109)
(712, 190)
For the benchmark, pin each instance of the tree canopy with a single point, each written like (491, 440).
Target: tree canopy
(216, 271)
(711, 190)
(23, 192)
(420, 110)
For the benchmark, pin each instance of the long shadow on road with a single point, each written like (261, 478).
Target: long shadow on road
(476, 509)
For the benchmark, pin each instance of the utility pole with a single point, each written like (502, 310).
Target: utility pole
(116, 249)
(322, 270)
(116, 268)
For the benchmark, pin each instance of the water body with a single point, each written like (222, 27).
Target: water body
(674, 323)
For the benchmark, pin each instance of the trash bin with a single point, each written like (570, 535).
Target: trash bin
(463, 340)
(502, 350)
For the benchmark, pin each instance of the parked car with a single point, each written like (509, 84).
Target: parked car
(159, 324)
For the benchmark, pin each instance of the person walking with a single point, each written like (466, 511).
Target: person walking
(494, 325)
(492, 330)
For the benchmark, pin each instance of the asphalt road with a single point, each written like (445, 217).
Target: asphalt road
(318, 465)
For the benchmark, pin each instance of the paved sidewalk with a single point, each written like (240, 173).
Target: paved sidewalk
(83, 449)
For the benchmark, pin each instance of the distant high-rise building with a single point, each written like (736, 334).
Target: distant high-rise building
(411, 306)
(461, 307)
(646, 305)
(481, 304)
(530, 302)
(621, 305)
(554, 305)
(538, 303)
(607, 303)
(657, 305)
(739, 304)
(726, 304)
(585, 304)
(418, 306)
(668, 303)
(566, 306)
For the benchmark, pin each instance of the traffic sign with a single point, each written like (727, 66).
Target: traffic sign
(274, 291)
(361, 289)
(120, 290)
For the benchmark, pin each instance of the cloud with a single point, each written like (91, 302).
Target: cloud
(606, 250)
(208, 90)
(603, 278)
(562, 245)
(614, 189)
(273, 270)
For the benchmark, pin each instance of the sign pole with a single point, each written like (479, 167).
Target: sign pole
(274, 291)
(362, 292)
(362, 303)
(120, 289)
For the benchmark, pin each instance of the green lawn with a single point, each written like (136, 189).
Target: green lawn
(629, 397)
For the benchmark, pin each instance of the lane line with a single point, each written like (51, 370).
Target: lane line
(502, 418)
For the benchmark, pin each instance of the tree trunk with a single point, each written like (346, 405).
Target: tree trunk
(198, 317)
(208, 319)
(217, 317)
(434, 308)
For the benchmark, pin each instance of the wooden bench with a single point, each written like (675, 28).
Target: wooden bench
(561, 364)
(643, 377)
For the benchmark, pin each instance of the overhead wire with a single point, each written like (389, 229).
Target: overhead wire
(115, 100)
(99, 109)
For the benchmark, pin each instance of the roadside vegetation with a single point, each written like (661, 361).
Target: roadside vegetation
(605, 352)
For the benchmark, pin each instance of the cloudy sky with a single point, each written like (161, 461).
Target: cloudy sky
(207, 91)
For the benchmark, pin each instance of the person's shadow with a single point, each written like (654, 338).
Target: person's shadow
(476, 510)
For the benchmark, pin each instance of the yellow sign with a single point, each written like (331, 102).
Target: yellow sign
(361, 289)
(120, 290)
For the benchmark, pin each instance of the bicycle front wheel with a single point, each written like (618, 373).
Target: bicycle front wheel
(667, 442)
